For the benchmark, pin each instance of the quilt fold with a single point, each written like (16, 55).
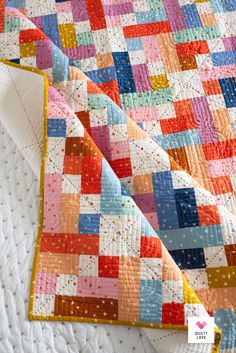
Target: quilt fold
(138, 219)
(126, 254)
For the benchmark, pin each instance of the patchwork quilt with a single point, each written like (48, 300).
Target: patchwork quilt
(138, 205)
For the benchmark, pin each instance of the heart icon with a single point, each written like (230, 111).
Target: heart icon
(201, 325)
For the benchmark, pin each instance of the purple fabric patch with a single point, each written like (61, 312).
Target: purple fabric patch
(83, 52)
(141, 79)
(175, 15)
(43, 54)
(100, 134)
(79, 10)
(204, 121)
(146, 202)
(230, 43)
(118, 9)
(37, 21)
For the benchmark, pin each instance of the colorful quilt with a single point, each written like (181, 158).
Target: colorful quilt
(138, 206)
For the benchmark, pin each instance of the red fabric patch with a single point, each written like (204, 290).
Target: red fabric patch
(192, 48)
(91, 175)
(180, 123)
(70, 243)
(111, 89)
(150, 247)
(2, 9)
(146, 29)
(72, 165)
(30, 35)
(173, 313)
(122, 167)
(219, 150)
(108, 266)
(96, 14)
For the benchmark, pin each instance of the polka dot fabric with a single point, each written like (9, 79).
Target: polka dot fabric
(173, 76)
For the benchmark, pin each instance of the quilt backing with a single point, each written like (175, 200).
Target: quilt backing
(139, 159)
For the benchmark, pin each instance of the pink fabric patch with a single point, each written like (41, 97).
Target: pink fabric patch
(97, 287)
(143, 113)
(120, 149)
(113, 21)
(151, 48)
(52, 190)
(222, 167)
(215, 73)
(63, 6)
(11, 13)
(45, 283)
(152, 219)
(57, 110)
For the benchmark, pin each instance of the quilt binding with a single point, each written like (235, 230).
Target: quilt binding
(218, 334)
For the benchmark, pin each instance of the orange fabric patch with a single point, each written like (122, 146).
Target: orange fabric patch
(222, 185)
(188, 62)
(230, 251)
(129, 288)
(208, 215)
(70, 204)
(143, 184)
(211, 87)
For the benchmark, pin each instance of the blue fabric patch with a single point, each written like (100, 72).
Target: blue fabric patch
(189, 258)
(15, 3)
(16, 61)
(151, 16)
(56, 127)
(223, 58)
(50, 28)
(165, 200)
(89, 223)
(178, 139)
(140, 124)
(115, 115)
(60, 65)
(218, 6)
(150, 301)
(186, 207)
(195, 237)
(111, 190)
(124, 191)
(124, 72)
(226, 319)
(134, 44)
(106, 74)
(228, 87)
(191, 16)
(229, 5)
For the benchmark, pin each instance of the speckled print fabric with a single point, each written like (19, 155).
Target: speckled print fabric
(146, 123)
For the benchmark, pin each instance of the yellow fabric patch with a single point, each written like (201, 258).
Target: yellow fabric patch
(67, 35)
(27, 49)
(219, 277)
(159, 81)
(190, 296)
